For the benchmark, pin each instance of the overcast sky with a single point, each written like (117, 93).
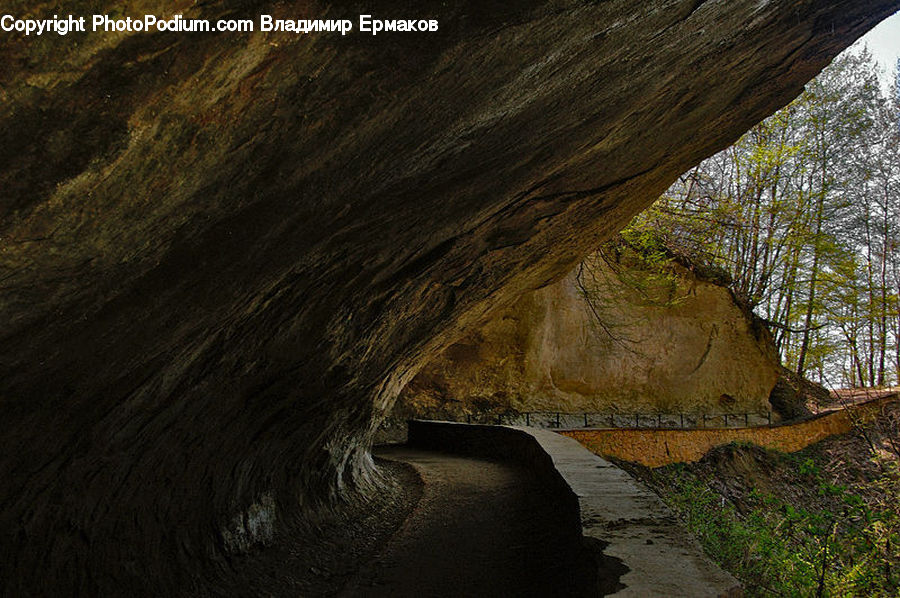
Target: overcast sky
(884, 42)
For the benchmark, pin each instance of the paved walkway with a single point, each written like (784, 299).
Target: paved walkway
(637, 529)
(482, 528)
(638, 547)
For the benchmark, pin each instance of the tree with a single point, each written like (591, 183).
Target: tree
(803, 213)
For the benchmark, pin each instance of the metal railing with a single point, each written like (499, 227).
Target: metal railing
(619, 419)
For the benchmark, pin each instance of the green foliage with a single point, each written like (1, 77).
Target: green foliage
(649, 245)
(802, 213)
(783, 547)
(634, 268)
(809, 468)
(655, 278)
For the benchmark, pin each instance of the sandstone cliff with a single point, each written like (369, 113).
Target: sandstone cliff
(223, 255)
(615, 334)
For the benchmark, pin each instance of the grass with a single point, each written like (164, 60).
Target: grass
(790, 525)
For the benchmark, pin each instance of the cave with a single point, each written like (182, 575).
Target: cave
(224, 255)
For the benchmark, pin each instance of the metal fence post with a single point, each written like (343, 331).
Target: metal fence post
(637, 420)
(746, 420)
(527, 419)
(557, 419)
(612, 420)
(682, 419)
(585, 420)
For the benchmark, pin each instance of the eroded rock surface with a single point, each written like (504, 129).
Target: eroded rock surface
(223, 255)
(615, 334)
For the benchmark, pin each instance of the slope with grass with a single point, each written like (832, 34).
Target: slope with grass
(823, 521)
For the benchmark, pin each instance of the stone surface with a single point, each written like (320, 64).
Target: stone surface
(674, 343)
(222, 256)
(484, 528)
(653, 555)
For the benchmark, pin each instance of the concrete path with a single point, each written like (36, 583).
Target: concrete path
(482, 528)
(642, 549)
(662, 558)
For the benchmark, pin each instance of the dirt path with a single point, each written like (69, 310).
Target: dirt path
(481, 529)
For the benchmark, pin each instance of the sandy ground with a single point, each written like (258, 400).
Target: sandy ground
(481, 528)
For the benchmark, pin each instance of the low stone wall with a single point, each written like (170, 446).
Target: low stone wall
(658, 447)
(507, 443)
(639, 548)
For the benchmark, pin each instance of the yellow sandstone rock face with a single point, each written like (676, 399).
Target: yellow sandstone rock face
(642, 343)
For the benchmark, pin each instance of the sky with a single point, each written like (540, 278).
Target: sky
(884, 43)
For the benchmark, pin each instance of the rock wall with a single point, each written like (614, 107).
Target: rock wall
(616, 333)
(223, 255)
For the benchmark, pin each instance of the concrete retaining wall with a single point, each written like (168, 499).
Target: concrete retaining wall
(658, 447)
(506, 443)
(639, 548)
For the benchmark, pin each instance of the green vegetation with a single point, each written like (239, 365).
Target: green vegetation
(822, 522)
(635, 267)
(803, 213)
